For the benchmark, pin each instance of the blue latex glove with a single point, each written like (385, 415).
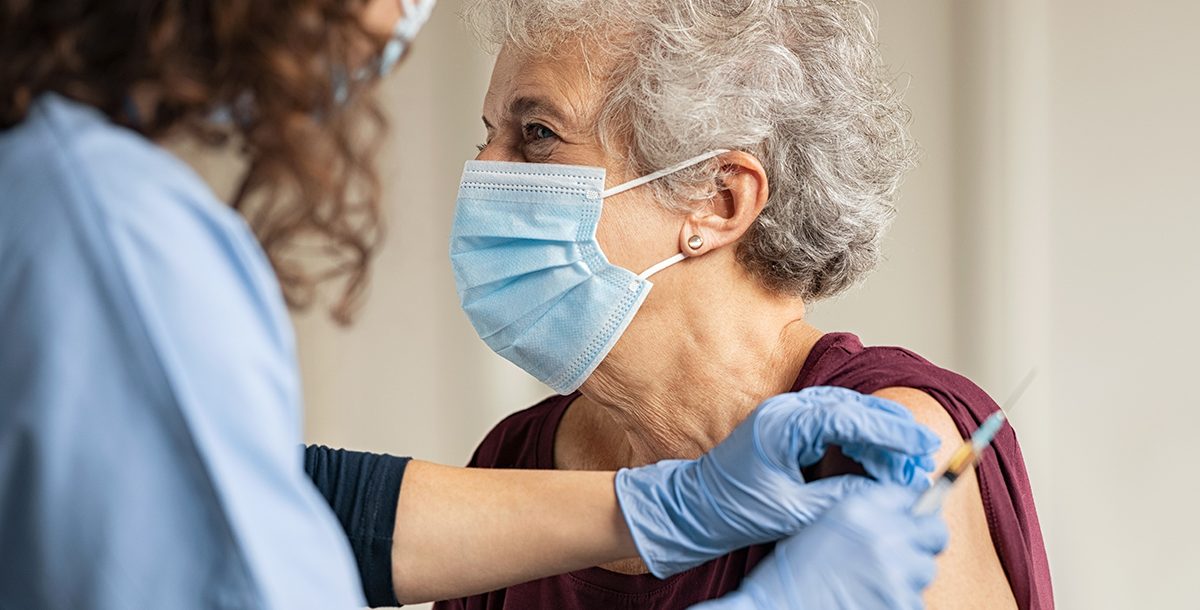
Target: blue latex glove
(749, 489)
(867, 552)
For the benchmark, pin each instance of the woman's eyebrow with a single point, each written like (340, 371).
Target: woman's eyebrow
(526, 105)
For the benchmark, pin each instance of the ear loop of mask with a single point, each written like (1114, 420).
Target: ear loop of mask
(415, 16)
(416, 13)
(648, 178)
(678, 258)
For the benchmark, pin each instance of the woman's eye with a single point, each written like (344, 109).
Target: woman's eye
(536, 131)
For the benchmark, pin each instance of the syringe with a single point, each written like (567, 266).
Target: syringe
(963, 459)
(966, 455)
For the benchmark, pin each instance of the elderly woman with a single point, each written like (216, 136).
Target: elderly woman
(744, 153)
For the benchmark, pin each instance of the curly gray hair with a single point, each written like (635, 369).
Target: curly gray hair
(800, 84)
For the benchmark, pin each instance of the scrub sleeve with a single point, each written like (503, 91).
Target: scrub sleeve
(362, 489)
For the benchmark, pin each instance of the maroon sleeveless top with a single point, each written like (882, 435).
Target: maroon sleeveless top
(526, 440)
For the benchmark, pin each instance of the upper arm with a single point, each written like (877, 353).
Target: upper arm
(969, 571)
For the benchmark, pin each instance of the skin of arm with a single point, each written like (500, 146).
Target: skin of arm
(518, 525)
(969, 571)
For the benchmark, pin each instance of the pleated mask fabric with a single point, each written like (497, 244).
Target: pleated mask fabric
(530, 273)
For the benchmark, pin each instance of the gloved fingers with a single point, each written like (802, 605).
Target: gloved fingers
(808, 421)
(838, 398)
(910, 601)
(881, 464)
(891, 467)
(925, 463)
(815, 498)
(888, 506)
(920, 569)
(829, 397)
(880, 429)
(930, 534)
(835, 396)
(887, 464)
(883, 404)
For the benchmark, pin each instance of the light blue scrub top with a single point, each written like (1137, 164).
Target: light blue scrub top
(150, 412)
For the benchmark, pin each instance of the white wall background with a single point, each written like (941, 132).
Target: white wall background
(1052, 223)
(1124, 337)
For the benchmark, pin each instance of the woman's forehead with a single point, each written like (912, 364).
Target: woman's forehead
(560, 84)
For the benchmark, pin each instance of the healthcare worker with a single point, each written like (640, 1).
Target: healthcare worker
(150, 449)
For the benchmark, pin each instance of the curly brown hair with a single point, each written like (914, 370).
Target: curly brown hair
(309, 184)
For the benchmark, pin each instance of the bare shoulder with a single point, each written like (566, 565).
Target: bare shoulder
(927, 411)
(969, 571)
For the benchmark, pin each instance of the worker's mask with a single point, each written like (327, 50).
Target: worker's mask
(416, 13)
(405, 30)
(530, 273)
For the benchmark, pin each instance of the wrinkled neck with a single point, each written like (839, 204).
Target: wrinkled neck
(679, 389)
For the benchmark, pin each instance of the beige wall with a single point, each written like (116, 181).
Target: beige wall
(1051, 224)
(1124, 333)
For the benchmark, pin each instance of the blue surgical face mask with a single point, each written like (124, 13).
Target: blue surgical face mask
(530, 273)
(416, 13)
(415, 16)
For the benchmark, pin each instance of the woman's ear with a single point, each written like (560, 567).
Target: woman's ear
(730, 213)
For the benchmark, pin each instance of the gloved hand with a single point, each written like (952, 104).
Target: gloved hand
(749, 489)
(867, 552)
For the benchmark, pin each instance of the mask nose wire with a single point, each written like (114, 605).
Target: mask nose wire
(632, 184)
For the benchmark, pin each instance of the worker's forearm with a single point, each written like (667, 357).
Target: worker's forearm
(462, 531)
